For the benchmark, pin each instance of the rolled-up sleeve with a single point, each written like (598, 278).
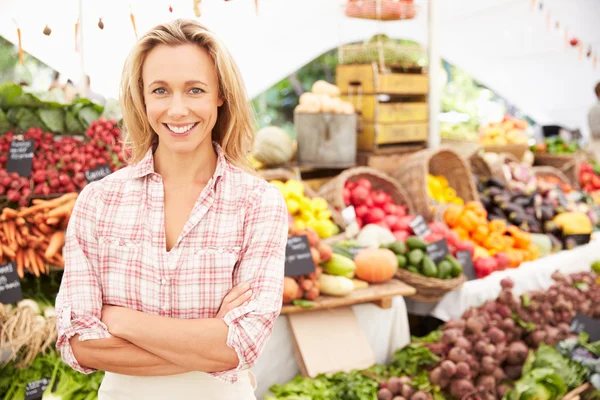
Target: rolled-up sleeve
(262, 265)
(79, 301)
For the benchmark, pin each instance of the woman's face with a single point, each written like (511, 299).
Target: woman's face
(181, 93)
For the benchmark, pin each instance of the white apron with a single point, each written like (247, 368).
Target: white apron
(191, 385)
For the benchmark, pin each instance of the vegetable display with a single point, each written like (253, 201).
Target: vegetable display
(325, 98)
(556, 145)
(589, 176)
(439, 190)
(33, 237)
(509, 131)
(273, 146)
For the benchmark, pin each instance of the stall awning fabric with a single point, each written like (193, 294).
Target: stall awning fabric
(502, 43)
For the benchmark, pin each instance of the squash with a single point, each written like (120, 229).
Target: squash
(375, 265)
(310, 99)
(273, 146)
(326, 88)
(335, 285)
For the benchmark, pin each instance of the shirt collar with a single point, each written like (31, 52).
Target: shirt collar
(146, 165)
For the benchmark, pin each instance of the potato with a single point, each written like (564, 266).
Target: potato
(323, 87)
(310, 99)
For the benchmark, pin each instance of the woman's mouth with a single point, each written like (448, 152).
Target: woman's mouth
(180, 130)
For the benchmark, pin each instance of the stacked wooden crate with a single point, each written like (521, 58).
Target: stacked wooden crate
(392, 107)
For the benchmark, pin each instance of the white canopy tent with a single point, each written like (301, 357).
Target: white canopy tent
(502, 43)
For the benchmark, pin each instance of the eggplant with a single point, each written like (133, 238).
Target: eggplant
(486, 201)
(556, 243)
(493, 191)
(516, 218)
(497, 211)
(547, 213)
(514, 208)
(530, 210)
(522, 200)
(496, 182)
(550, 228)
(535, 228)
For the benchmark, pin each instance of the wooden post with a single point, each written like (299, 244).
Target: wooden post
(435, 86)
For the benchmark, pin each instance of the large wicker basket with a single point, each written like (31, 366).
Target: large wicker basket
(412, 176)
(517, 150)
(332, 191)
(381, 10)
(544, 171)
(568, 164)
(429, 289)
(483, 169)
(284, 175)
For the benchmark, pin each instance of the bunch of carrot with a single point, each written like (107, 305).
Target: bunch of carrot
(33, 237)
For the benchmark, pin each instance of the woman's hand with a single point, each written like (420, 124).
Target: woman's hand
(238, 296)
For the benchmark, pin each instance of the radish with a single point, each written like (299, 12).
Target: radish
(359, 195)
(363, 182)
(379, 198)
(375, 215)
(391, 221)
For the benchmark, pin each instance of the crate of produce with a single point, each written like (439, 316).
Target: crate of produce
(373, 136)
(381, 10)
(369, 79)
(307, 210)
(326, 140)
(414, 177)
(388, 109)
(387, 52)
(429, 290)
(568, 164)
(339, 193)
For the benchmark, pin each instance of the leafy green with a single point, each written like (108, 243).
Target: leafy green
(304, 303)
(412, 359)
(4, 123)
(572, 373)
(8, 92)
(538, 384)
(53, 118)
(432, 337)
(87, 115)
(72, 124)
(26, 118)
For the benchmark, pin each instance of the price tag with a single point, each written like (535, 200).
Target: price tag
(572, 241)
(583, 323)
(437, 251)
(420, 227)
(10, 284)
(465, 259)
(97, 173)
(20, 157)
(298, 260)
(34, 390)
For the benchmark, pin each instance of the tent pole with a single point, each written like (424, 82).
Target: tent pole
(435, 86)
(81, 48)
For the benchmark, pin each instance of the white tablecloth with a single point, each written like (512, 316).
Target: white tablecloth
(534, 275)
(386, 331)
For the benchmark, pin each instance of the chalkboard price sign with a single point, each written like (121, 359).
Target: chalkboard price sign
(437, 251)
(583, 323)
(10, 284)
(35, 390)
(298, 259)
(465, 259)
(20, 157)
(420, 227)
(97, 173)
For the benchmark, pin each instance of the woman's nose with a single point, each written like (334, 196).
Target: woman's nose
(178, 109)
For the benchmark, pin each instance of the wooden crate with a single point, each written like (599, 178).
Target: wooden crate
(373, 109)
(387, 159)
(367, 79)
(373, 135)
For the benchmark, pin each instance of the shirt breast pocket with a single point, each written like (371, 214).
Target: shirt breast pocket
(212, 271)
(120, 265)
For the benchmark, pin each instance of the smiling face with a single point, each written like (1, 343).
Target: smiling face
(181, 93)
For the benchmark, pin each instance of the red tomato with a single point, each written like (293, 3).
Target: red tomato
(375, 215)
(401, 235)
(365, 183)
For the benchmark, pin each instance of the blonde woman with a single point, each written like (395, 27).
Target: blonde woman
(174, 265)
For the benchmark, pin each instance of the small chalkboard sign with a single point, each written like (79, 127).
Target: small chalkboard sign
(298, 260)
(437, 251)
(97, 173)
(420, 227)
(10, 284)
(583, 323)
(572, 241)
(34, 390)
(20, 157)
(466, 260)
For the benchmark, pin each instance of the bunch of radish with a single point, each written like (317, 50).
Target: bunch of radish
(375, 206)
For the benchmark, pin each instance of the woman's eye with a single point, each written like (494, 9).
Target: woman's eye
(159, 91)
(196, 91)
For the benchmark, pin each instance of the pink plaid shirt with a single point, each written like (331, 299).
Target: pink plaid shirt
(115, 254)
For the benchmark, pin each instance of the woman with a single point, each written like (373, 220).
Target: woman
(153, 250)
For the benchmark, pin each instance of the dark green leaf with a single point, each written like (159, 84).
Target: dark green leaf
(53, 118)
(87, 115)
(72, 124)
(304, 303)
(4, 123)
(8, 91)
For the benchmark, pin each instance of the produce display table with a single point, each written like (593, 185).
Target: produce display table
(386, 331)
(534, 275)
(379, 294)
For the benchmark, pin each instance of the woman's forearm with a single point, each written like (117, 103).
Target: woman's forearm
(194, 344)
(122, 357)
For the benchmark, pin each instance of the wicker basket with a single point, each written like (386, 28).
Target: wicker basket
(543, 172)
(412, 176)
(429, 289)
(381, 10)
(482, 168)
(332, 191)
(517, 150)
(285, 175)
(568, 164)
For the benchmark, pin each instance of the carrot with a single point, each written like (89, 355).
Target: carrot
(12, 232)
(20, 221)
(52, 221)
(33, 262)
(27, 262)
(58, 260)
(57, 241)
(47, 204)
(6, 231)
(45, 229)
(8, 252)
(37, 201)
(8, 213)
(36, 232)
(20, 239)
(20, 264)
(62, 210)
(41, 263)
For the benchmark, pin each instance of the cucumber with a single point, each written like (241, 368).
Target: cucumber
(414, 242)
(414, 270)
(444, 270)
(397, 247)
(415, 257)
(341, 250)
(429, 268)
(457, 269)
(402, 261)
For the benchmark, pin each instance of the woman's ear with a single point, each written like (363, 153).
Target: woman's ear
(220, 102)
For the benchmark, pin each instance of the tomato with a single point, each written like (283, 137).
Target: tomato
(365, 183)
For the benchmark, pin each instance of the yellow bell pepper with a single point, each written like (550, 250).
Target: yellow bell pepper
(292, 205)
(319, 204)
(295, 187)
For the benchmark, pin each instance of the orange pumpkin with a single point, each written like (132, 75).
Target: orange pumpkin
(375, 265)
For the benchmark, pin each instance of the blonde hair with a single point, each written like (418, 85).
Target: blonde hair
(233, 130)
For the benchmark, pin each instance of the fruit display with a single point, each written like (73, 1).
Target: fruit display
(556, 145)
(324, 98)
(59, 165)
(273, 146)
(307, 212)
(589, 176)
(412, 256)
(439, 190)
(509, 131)
(497, 246)
(33, 237)
(374, 206)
